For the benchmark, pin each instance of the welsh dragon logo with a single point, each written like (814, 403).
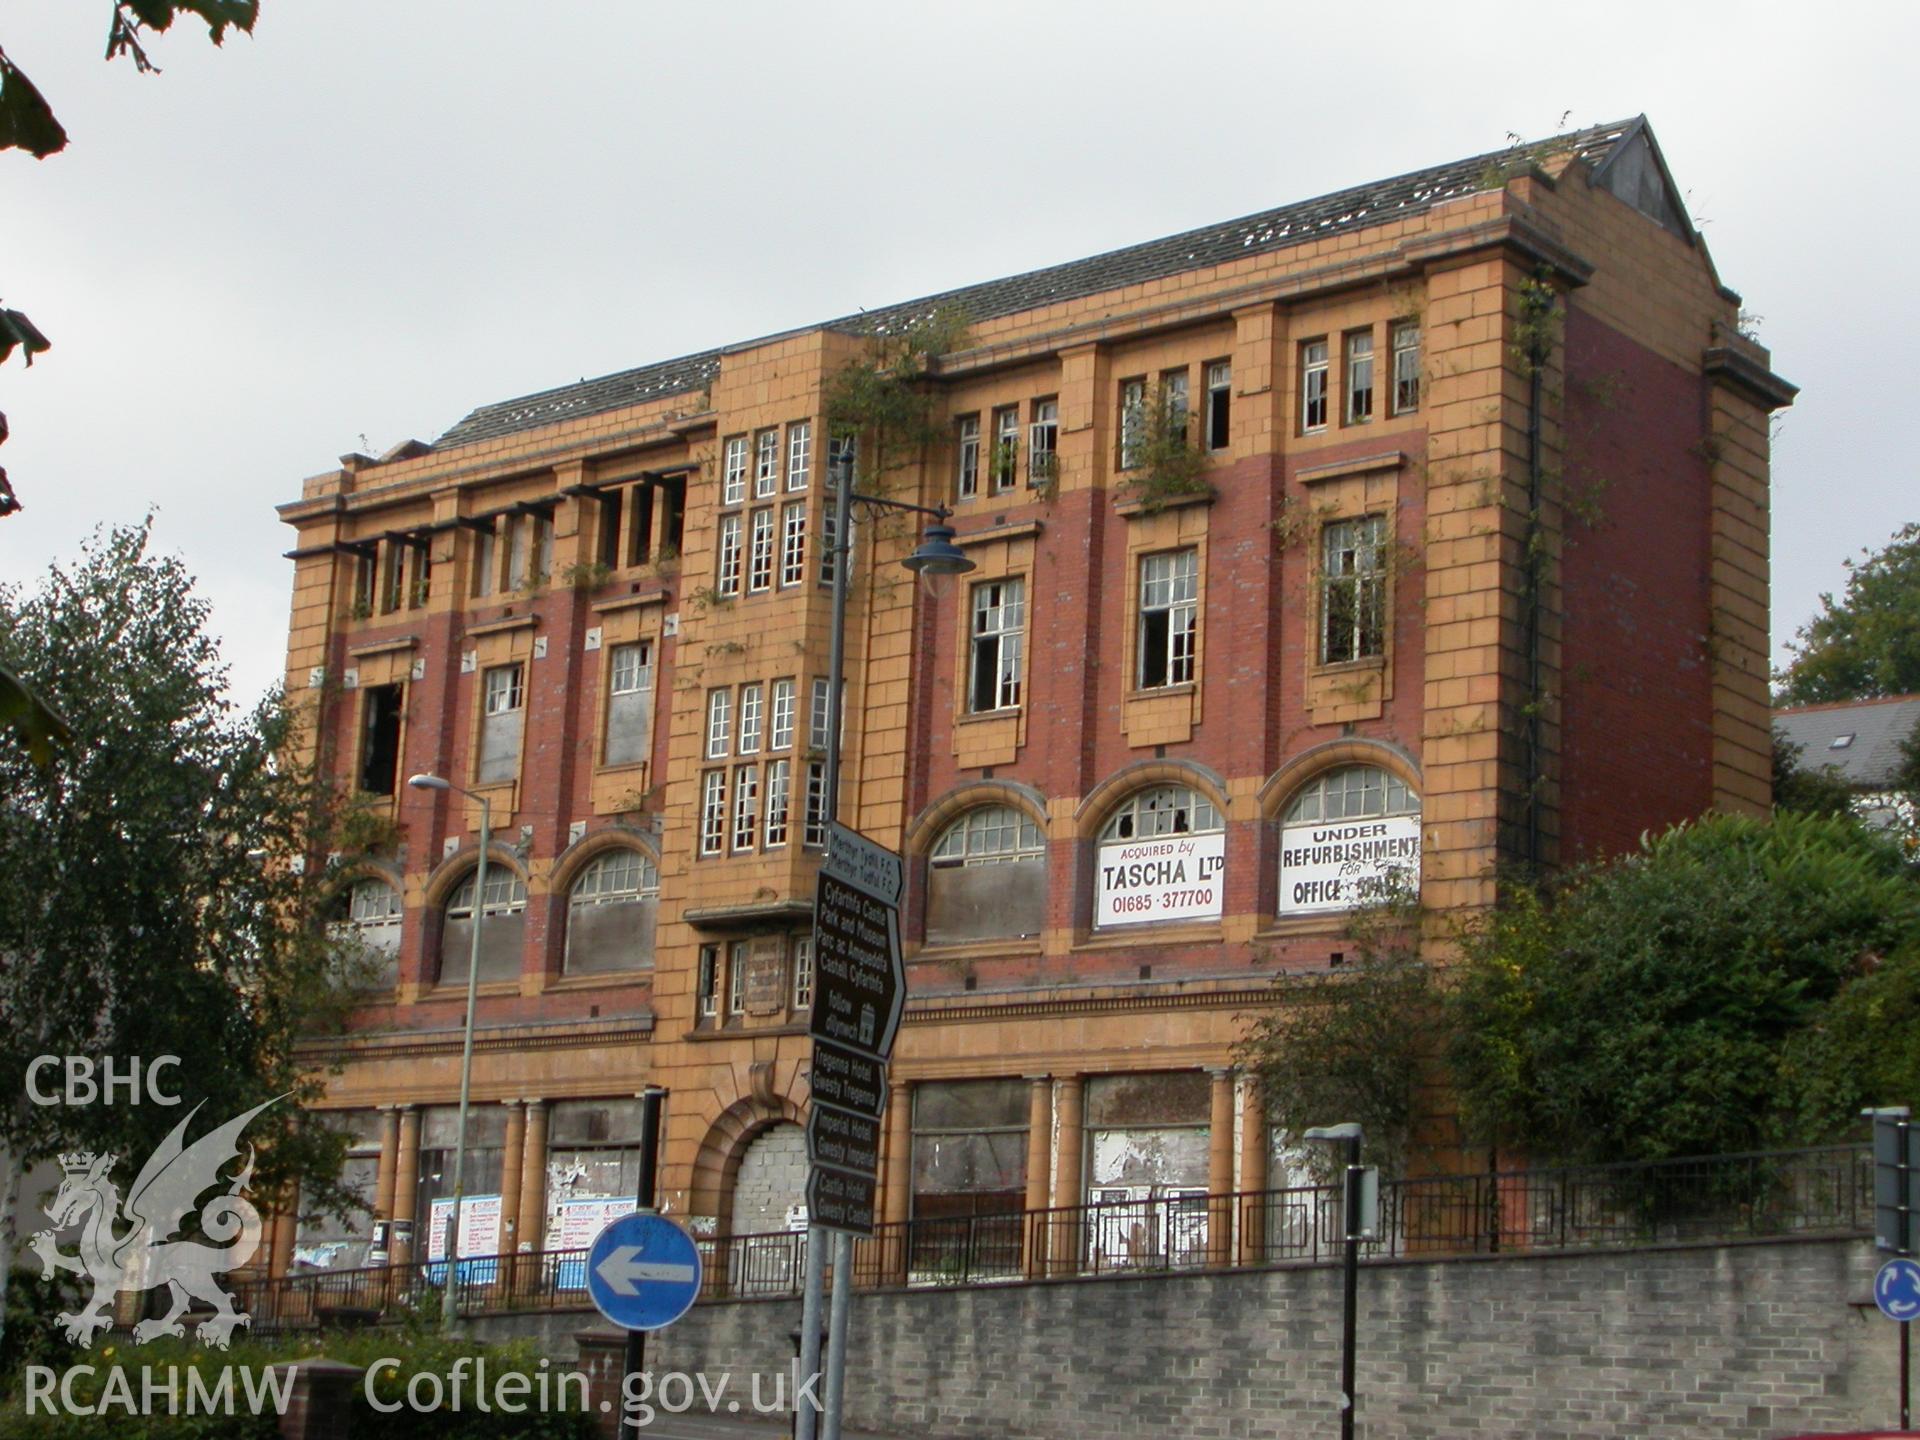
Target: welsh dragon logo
(146, 1255)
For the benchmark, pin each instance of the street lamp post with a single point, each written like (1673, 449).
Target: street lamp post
(935, 556)
(450, 1302)
(1348, 1137)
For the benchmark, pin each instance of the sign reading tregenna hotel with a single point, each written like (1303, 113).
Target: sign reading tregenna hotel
(1170, 877)
(1343, 864)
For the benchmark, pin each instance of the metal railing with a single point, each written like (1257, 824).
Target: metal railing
(1826, 1192)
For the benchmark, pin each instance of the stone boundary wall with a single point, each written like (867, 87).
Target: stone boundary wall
(1751, 1340)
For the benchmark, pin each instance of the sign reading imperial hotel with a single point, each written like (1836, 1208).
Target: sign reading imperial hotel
(1150, 752)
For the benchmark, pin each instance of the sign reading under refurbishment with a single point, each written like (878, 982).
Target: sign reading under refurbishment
(1342, 864)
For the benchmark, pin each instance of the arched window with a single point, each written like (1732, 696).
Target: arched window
(987, 878)
(1162, 857)
(500, 932)
(1349, 837)
(611, 912)
(368, 925)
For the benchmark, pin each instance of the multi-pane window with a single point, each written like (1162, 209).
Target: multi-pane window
(780, 720)
(727, 572)
(506, 893)
(793, 543)
(1313, 385)
(817, 716)
(733, 482)
(707, 1003)
(1219, 404)
(799, 454)
(1162, 810)
(629, 702)
(1353, 582)
(1006, 447)
(1133, 422)
(610, 913)
(966, 480)
(843, 454)
(766, 464)
(779, 797)
(1175, 402)
(1355, 792)
(814, 831)
(713, 812)
(990, 835)
(750, 711)
(830, 543)
(1360, 377)
(737, 955)
(803, 972)
(987, 878)
(501, 718)
(1169, 617)
(999, 623)
(746, 806)
(1043, 442)
(1406, 367)
(719, 723)
(760, 553)
(485, 563)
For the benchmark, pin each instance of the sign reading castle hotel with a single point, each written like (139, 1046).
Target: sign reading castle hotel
(1153, 750)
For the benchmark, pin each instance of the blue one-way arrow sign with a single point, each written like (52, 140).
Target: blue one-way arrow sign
(643, 1272)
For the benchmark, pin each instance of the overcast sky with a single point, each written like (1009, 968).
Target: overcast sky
(372, 216)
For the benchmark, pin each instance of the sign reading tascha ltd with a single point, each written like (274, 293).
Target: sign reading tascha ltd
(860, 991)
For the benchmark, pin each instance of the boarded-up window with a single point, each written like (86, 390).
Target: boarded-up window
(341, 1242)
(500, 934)
(486, 1150)
(503, 709)
(1148, 1133)
(987, 878)
(629, 703)
(611, 913)
(969, 1148)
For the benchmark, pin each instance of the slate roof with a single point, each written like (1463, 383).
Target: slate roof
(1878, 727)
(1262, 233)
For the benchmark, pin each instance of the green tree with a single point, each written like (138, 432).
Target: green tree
(1356, 1044)
(154, 898)
(1648, 1007)
(1866, 644)
(1807, 790)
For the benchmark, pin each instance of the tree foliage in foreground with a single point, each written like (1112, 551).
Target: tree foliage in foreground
(1666, 1003)
(148, 900)
(1866, 644)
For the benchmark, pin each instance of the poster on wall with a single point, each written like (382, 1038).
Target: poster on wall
(479, 1226)
(1343, 864)
(572, 1224)
(1171, 877)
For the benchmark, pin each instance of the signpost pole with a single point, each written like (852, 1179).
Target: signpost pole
(837, 1326)
(1903, 1129)
(651, 1100)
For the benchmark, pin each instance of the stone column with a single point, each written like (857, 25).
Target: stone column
(897, 1202)
(388, 1172)
(1253, 1173)
(1064, 1242)
(532, 1222)
(1220, 1204)
(286, 1220)
(511, 1160)
(1039, 1158)
(406, 1182)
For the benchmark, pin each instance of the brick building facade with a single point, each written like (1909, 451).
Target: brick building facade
(1141, 760)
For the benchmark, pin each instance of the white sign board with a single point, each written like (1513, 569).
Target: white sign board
(1345, 863)
(479, 1227)
(573, 1224)
(1172, 877)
